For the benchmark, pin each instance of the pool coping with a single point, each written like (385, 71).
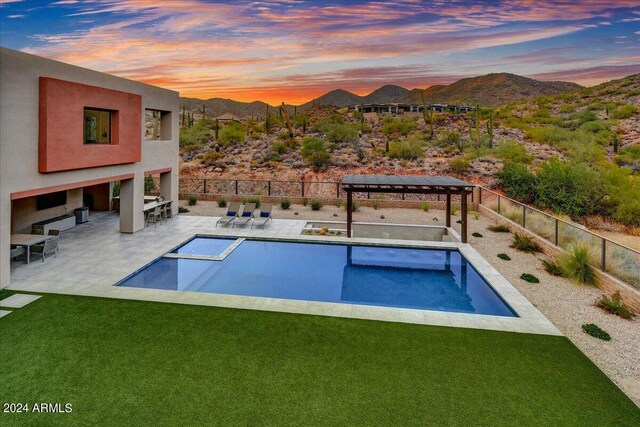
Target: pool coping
(530, 319)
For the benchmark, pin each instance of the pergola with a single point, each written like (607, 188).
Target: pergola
(406, 184)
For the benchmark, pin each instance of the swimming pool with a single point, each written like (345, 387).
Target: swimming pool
(417, 278)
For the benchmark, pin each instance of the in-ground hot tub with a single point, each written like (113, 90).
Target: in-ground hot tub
(427, 233)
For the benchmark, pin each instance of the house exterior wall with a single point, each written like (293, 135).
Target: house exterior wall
(20, 175)
(61, 132)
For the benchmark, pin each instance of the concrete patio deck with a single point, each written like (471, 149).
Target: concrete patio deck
(95, 255)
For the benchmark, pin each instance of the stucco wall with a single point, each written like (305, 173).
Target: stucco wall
(19, 113)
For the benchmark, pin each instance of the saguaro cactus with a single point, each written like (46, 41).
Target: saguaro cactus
(267, 122)
(216, 128)
(490, 129)
(427, 114)
(477, 125)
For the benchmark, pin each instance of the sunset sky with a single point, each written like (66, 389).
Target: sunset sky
(294, 50)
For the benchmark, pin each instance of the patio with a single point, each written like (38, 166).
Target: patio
(94, 256)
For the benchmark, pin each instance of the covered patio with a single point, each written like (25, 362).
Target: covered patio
(407, 184)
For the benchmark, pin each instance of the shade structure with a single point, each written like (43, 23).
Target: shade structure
(409, 184)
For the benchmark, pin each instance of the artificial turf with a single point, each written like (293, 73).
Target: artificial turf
(140, 363)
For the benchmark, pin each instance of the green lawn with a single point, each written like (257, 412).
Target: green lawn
(137, 363)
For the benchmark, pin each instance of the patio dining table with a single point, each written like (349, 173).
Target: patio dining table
(28, 240)
(151, 206)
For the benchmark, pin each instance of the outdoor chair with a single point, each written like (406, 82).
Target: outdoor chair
(49, 245)
(232, 213)
(17, 251)
(38, 231)
(155, 216)
(265, 215)
(166, 211)
(246, 216)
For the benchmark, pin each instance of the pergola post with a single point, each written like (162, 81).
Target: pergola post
(349, 212)
(463, 208)
(448, 210)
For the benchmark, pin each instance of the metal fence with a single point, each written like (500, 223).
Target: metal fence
(614, 258)
(292, 189)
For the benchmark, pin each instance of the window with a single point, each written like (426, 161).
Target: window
(157, 125)
(97, 126)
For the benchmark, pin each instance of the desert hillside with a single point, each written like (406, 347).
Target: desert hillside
(588, 134)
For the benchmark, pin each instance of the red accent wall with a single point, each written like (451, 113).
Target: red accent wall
(61, 145)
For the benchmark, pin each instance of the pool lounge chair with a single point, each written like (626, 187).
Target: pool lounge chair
(232, 213)
(265, 215)
(246, 216)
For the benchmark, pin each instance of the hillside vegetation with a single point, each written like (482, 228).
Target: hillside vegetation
(570, 153)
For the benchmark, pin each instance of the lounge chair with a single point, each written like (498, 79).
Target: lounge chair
(49, 245)
(246, 216)
(232, 213)
(265, 215)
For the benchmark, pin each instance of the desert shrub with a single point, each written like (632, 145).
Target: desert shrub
(316, 205)
(596, 331)
(340, 132)
(305, 201)
(425, 206)
(255, 200)
(454, 209)
(279, 147)
(210, 157)
(625, 111)
(512, 151)
(192, 199)
(222, 203)
(595, 126)
(182, 209)
(354, 206)
(552, 267)
(504, 257)
(623, 194)
(285, 204)
(409, 149)
(231, 134)
(448, 138)
(525, 243)
(395, 127)
(476, 234)
(529, 278)
(518, 182)
(574, 264)
(499, 229)
(315, 152)
(573, 189)
(197, 135)
(565, 139)
(459, 165)
(614, 305)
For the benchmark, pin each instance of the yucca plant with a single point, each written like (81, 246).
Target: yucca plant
(575, 265)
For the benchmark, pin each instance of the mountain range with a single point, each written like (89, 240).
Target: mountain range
(489, 90)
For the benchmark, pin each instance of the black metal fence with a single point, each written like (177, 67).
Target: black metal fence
(291, 189)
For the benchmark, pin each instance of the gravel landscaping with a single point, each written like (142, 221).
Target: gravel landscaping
(566, 304)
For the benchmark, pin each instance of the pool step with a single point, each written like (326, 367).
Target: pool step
(220, 257)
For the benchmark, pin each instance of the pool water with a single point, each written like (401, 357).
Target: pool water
(415, 278)
(204, 246)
